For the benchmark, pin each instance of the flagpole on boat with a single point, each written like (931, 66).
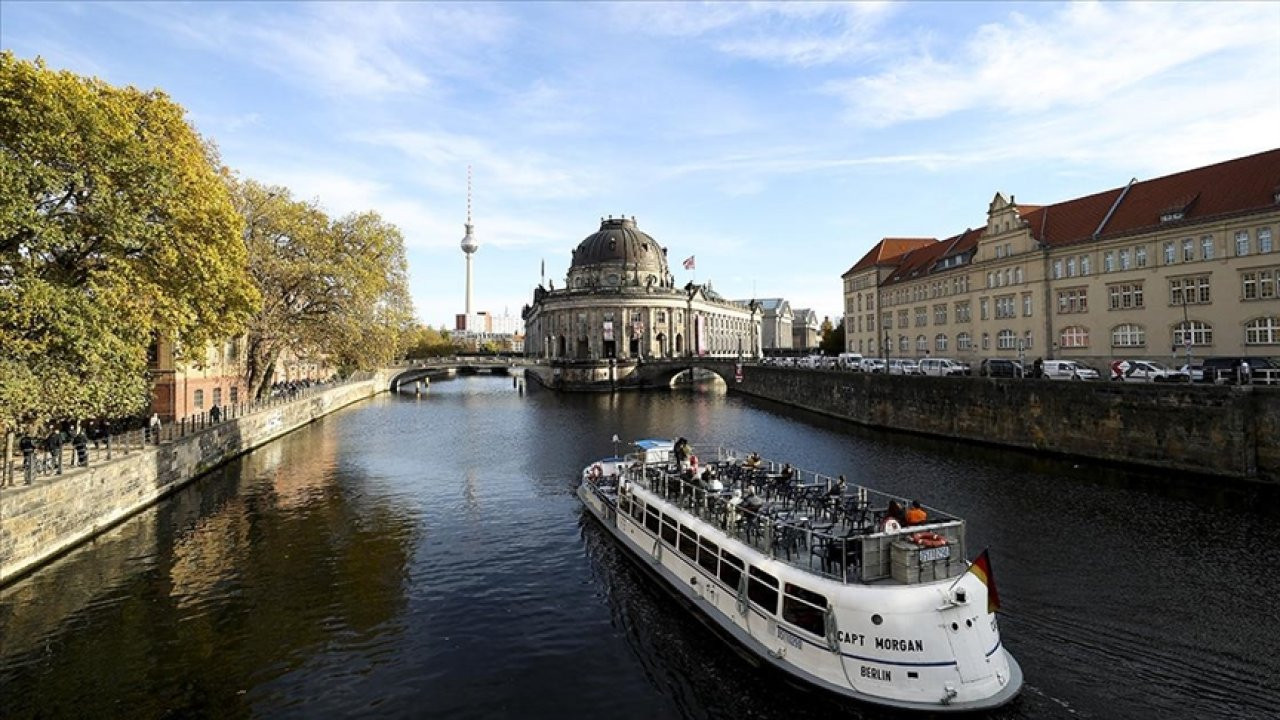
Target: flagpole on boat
(966, 572)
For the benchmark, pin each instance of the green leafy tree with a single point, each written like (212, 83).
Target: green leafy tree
(832, 337)
(336, 290)
(427, 342)
(115, 228)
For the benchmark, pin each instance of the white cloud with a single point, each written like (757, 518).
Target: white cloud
(1075, 57)
(520, 172)
(794, 33)
(340, 49)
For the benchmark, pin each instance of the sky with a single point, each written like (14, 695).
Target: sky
(775, 143)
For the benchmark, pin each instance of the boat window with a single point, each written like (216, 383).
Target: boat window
(637, 510)
(708, 556)
(762, 588)
(668, 530)
(730, 569)
(688, 543)
(651, 520)
(805, 609)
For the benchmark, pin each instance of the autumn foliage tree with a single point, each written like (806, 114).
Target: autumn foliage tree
(333, 290)
(115, 227)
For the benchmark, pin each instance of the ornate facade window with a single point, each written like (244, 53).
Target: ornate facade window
(1074, 336)
(1128, 335)
(1262, 331)
(1199, 333)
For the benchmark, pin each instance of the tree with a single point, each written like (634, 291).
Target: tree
(115, 228)
(832, 336)
(425, 342)
(336, 290)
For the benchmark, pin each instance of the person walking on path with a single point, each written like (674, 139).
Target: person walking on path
(28, 447)
(215, 414)
(153, 427)
(81, 444)
(53, 444)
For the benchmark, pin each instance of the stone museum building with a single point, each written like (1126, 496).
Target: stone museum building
(620, 303)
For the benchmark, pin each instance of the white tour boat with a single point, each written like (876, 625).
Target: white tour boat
(824, 584)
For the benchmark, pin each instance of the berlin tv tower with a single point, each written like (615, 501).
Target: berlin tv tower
(469, 246)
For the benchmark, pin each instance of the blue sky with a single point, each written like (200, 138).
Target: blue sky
(776, 143)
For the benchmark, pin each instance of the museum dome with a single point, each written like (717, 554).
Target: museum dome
(619, 242)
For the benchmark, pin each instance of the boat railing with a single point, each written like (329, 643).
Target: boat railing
(802, 523)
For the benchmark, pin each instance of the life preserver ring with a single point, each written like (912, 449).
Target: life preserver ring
(890, 525)
(928, 539)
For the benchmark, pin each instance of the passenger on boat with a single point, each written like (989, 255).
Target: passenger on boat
(837, 489)
(894, 518)
(753, 460)
(916, 514)
(752, 502)
(682, 452)
(788, 474)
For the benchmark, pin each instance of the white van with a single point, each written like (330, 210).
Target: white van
(1068, 370)
(849, 361)
(940, 367)
(872, 365)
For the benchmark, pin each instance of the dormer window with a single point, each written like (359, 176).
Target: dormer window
(1171, 215)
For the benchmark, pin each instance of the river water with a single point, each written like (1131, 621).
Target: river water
(426, 557)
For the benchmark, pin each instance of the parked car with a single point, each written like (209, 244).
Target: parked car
(849, 361)
(905, 366)
(1144, 371)
(872, 365)
(1068, 370)
(1227, 369)
(1194, 372)
(941, 367)
(1000, 367)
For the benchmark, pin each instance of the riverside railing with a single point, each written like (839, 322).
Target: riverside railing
(20, 469)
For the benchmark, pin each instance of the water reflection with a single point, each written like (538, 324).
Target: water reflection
(240, 579)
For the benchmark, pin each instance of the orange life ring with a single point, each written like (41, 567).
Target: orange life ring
(928, 539)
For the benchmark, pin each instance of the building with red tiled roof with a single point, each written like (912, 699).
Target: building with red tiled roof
(1184, 264)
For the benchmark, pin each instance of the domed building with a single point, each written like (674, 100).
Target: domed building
(620, 305)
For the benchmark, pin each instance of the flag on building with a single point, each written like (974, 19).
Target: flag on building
(982, 568)
(688, 263)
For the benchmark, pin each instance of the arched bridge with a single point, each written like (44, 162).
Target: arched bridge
(660, 372)
(625, 374)
(440, 368)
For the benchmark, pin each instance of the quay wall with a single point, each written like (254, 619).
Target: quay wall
(53, 515)
(1208, 429)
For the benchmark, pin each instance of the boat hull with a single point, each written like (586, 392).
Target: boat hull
(700, 597)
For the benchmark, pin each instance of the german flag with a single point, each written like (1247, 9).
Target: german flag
(982, 568)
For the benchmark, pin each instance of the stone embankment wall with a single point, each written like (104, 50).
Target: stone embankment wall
(1216, 430)
(41, 521)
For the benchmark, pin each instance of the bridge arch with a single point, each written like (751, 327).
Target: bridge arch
(660, 373)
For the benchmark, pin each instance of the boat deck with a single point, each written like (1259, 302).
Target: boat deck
(802, 523)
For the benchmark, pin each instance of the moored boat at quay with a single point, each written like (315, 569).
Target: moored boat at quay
(818, 579)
